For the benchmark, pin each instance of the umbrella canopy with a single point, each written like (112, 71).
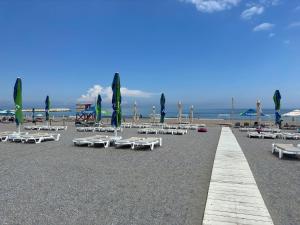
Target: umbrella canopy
(18, 101)
(251, 113)
(116, 101)
(162, 108)
(47, 107)
(98, 108)
(294, 113)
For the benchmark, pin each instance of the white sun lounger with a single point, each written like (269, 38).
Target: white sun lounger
(53, 128)
(148, 142)
(85, 140)
(96, 140)
(39, 137)
(293, 136)
(128, 141)
(5, 136)
(254, 135)
(289, 149)
(148, 131)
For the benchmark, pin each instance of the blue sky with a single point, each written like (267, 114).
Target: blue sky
(201, 52)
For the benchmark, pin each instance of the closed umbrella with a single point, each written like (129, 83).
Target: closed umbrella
(47, 109)
(18, 102)
(191, 115)
(162, 108)
(98, 108)
(258, 112)
(179, 111)
(116, 102)
(134, 112)
(277, 102)
(33, 115)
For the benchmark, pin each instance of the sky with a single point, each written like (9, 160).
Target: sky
(201, 52)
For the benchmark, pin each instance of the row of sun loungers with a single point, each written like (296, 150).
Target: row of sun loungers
(162, 131)
(164, 126)
(50, 128)
(98, 129)
(106, 141)
(252, 129)
(284, 135)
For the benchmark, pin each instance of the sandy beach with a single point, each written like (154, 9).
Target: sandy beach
(58, 183)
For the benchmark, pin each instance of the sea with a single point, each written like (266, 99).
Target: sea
(172, 112)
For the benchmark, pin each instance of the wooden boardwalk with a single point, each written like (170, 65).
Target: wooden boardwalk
(233, 196)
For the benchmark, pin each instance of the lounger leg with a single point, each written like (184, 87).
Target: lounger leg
(273, 150)
(152, 147)
(132, 146)
(280, 154)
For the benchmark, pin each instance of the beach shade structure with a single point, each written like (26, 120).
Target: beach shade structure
(277, 102)
(18, 103)
(258, 112)
(47, 109)
(6, 113)
(162, 108)
(116, 102)
(293, 114)
(191, 114)
(98, 108)
(251, 113)
(179, 112)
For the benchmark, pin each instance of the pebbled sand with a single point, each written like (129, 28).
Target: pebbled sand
(278, 180)
(58, 183)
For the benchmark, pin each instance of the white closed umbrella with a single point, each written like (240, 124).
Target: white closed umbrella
(258, 112)
(179, 111)
(191, 115)
(135, 112)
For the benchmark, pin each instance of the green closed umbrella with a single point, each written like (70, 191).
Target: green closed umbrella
(162, 108)
(98, 108)
(18, 102)
(116, 102)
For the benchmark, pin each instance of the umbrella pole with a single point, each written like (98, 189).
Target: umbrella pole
(19, 129)
(116, 132)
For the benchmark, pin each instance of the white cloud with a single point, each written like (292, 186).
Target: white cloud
(210, 6)
(287, 42)
(297, 8)
(294, 24)
(106, 94)
(270, 2)
(271, 35)
(263, 26)
(249, 13)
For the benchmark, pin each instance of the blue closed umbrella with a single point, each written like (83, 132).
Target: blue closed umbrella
(162, 108)
(277, 102)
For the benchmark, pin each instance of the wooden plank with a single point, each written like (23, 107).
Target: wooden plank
(233, 196)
